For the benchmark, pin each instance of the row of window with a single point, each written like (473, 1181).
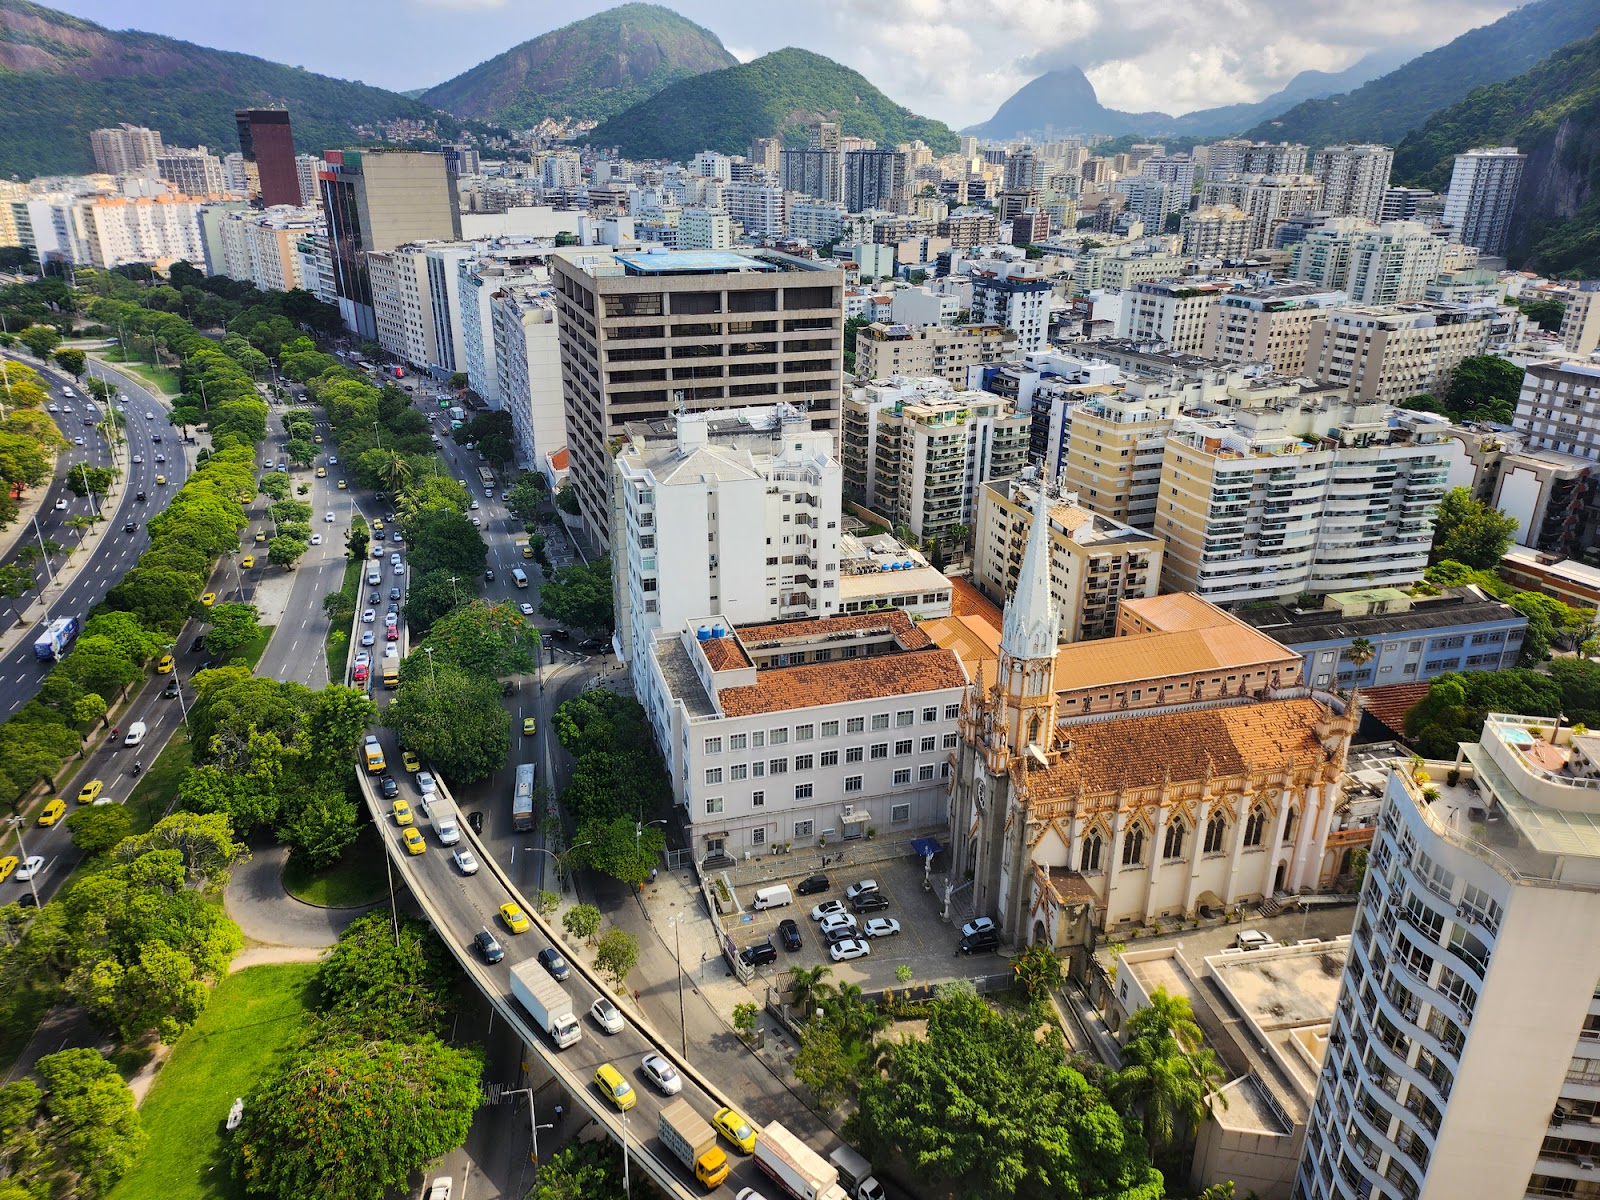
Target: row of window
(853, 785)
(829, 729)
(1215, 842)
(828, 758)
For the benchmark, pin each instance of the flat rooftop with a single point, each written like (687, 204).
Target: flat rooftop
(690, 262)
(1455, 608)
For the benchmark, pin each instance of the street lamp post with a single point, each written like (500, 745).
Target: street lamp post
(433, 676)
(33, 883)
(677, 958)
(533, 1122)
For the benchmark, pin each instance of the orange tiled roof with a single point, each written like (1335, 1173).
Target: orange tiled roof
(967, 601)
(974, 640)
(784, 688)
(1143, 656)
(1172, 611)
(558, 460)
(1139, 751)
(1390, 704)
(893, 620)
(724, 654)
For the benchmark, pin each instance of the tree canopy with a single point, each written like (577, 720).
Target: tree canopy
(451, 718)
(580, 595)
(1471, 532)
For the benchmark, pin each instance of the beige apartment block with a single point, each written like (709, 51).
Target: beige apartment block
(1269, 325)
(1389, 354)
(884, 350)
(1113, 459)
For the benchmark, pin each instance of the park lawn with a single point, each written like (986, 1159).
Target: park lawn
(162, 379)
(359, 878)
(249, 654)
(252, 1016)
(338, 643)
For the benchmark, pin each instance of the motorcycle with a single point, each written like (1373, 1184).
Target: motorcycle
(138, 767)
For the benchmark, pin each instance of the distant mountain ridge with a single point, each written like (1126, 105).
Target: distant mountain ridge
(776, 95)
(61, 77)
(589, 70)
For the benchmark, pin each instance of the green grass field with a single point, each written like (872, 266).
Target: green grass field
(162, 379)
(358, 878)
(252, 1016)
(338, 644)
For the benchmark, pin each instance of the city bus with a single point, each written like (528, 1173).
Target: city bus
(486, 477)
(522, 798)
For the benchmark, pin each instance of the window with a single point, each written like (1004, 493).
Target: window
(714, 775)
(1133, 847)
(777, 737)
(802, 829)
(830, 729)
(925, 772)
(803, 762)
(758, 836)
(714, 745)
(1089, 859)
(902, 776)
(852, 783)
(944, 770)
(802, 791)
(855, 725)
(757, 740)
(902, 747)
(830, 758)
(880, 720)
(1216, 833)
(904, 717)
(1255, 827)
(926, 745)
(738, 771)
(1288, 828)
(952, 711)
(737, 741)
(948, 741)
(758, 769)
(852, 754)
(758, 799)
(778, 766)
(899, 814)
(1173, 846)
(713, 805)
(880, 750)
(804, 733)
(930, 714)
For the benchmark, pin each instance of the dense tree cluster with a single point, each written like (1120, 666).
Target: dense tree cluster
(1550, 622)
(581, 595)
(29, 439)
(617, 783)
(75, 1136)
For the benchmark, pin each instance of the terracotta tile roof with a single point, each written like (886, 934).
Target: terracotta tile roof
(724, 654)
(892, 621)
(967, 601)
(1388, 705)
(784, 688)
(1138, 657)
(1138, 751)
(973, 639)
(1173, 611)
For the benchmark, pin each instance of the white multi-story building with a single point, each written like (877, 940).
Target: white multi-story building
(527, 355)
(507, 264)
(442, 262)
(306, 167)
(1015, 296)
(1174, 312)
(1483, 193)
(1217, 232)
(704, 229)
(923, 306)
(1559, 408)
(1354, 178)
(563, 169)
(125, 149)
(1270, 200)
(1393, 353)
(316, 267)
(1372, 264)
(712, 165)
(402, 303)
(263, 248)
(1149, 199)
(1462, 1058)
(759, 490)
(156, 229)
(757, 207)
(195, 172)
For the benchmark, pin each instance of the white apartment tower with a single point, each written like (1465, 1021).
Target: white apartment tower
(1353, 178)
(1463, 1058)
(1483, 192)
(1015, 296)
(1372, 264)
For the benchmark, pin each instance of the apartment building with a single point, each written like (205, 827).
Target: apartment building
(815, 172)
(968, 229)
(884, 351)
(1372, 264)
(1321, 496)
(506, 263)
(195, 172)
(647, 334)
(125, 149)
(402, 304)
(795, 735)
(1016, 297)
(1461, 1055)
(1176, 313)
(1354, 178)
(1217, 231)
(263, 247)
(1095, 562)
(1269, 200)
(880, 571)
(1269, 323)
(1118, 268)
(527, 357)
(1388, 354)
(1558, 407)
(1482, 196)
(1149, 200)
(758, 208)
(704, 229)
(160, 230)
(873, 179)
(917, 453)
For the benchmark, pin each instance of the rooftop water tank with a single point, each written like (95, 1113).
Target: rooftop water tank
(703, 634)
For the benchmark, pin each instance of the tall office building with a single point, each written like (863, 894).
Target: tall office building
(125, 149)
(872, 178)
(373, 201)
(689, 331)
(1483, 192)
(267, 143)
(826, 135)
(306, 167)
(1354, 179)
(818, 173)
(192, 172)
(1462, 1057)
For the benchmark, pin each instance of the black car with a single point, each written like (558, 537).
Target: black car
(560, 635)
(841, 933)
(130, 527)
(206, 666)
(170, 692)
(489, 575)
(555, 964)
(813, 885)
(155, 437)
(488, 947)
(790, 933)
(374, 598)
(983, 942)
(592, 645)
(388, 786)
(141, 497)
(475, 819)
(871, 902)
(198, 644)
(759, 955)
(394, 593)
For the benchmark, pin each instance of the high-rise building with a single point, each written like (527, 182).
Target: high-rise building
(373, 201)
(1482, 196)
(263, 248)
(704, 229)
(1372, 264)
(1393, 353)
(306, 167)
(109, 231)
(1556, 408)
(125, 149)
(826, 135)
(1024, 170)
(968, 229)
(884, 351)
(818, 173)
(1268, 324)
(758, 207)
(764, 152)
(872, 178)
(1175, 170)
(1580, 321)
(757, 327)
(1217, 232)
(1461, 1051)
(1015, 296)
(192, 172)
(267, 143)
(1150, 200)
(1404, 203)
(1354, 179)
(1176, 313)
(527, 355)
(1270, 200)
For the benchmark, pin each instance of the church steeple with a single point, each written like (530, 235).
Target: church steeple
(1025, 700)
(1032, 624)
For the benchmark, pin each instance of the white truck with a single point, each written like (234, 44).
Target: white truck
(795, 1167)
(693, 1142)
(546, 1002)
(855, 1174)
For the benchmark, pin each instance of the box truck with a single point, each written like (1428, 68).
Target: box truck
(546, 1002)
(57, 638)
(692, 1140)
(795, 1167)
(855, 1175)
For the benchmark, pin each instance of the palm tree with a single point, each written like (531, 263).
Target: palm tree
(1166, 1015)
(1166, 1086)
(1360, 652)
(79, 524)
(395, 471)
(807, 984)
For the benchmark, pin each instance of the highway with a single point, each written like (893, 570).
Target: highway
(113, 552)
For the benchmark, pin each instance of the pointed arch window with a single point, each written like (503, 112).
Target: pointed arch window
(1255, 827)
(1089, 859)
(1216, 834)
(1033, 731)
(1133, 847)
(1288, 827)
(1172, 844)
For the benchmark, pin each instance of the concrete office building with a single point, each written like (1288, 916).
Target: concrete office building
(1354, 179)
(267, 143)
(916, 351)
(1388, 354)
(1270, 200)
(373, 201)
(527, 356)
(1095, 562)
(126, 149)
(636, 343)
(1269, 323)
(1482, 196)
(1217, 231)
(1461, 1055)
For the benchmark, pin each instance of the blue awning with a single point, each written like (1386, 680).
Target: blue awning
(922, 847)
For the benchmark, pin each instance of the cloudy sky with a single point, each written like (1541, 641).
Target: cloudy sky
(951, 59)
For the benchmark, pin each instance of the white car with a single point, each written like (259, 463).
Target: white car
(267, 466)
(55, 408)
(860, 889)
(328, 517)
(527, 609)
(441, 1188)
(425, 783)
(477, 524)
(367, 638)
(828, 908)
(465, 862)
(836, 922)
(399, 569)
(316, 539)
(61, 506)
(473, 505)
(149, 416)
(390, 620)
(138, 458)
(848, 949)
(879, 927)
(161, 458)
(333, 460)
(981, 925)
(368, 617)
(662, 1073)
(31, 868)
(1253, 939)
(77, 441)
(606, 1016)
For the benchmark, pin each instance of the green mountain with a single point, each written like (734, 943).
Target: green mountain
(61, 76)
(778, 94)
(1389, 107)
(591, 69)
(1551, 113)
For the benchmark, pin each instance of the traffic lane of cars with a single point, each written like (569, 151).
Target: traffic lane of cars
(471, 903)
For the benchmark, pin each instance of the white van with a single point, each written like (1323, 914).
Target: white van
(374, 578)
(775, 896)
(135, 735)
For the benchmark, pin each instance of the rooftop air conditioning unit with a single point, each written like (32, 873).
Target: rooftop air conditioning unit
(849, 810)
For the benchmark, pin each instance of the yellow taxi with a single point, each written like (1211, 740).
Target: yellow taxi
(516, 920)
(410, 761)
(402, 813)
(377, 524)
(164, 665)
(414, 842)
(322, 472)
(162, 480)
(317, 439)
(261, 537)
(248, 561)
(342, 486)
(617, 1089)
(51, 814)
(208, 599)
(90, 790)
(736, 1129)
(530, 726)
(8, 864)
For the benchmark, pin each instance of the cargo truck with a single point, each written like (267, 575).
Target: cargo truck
(546, 1002)
(855, 1175)
(57, 638)
(693, 1142)
(795, 1167)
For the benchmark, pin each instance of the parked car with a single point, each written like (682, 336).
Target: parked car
(789, 931)
(828, 908)
(812, 885)
(871, 902)
(881, 927)
(980, 943)
(856, 890)
(848, 949)
(759, 954)
(837, 921)
(981, 925)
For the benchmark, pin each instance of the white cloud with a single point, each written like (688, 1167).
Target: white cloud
(464, 5)
(743, 53)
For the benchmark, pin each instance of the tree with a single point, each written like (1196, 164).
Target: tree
(300, 451)
(318, 824)
(567, 500)
(1483, 387)
(1038, 970)
(459, 382)
(444, 540)
(745, 1016)
(581, 1171)
(485, 639)
(339, 1120)
(620, 848)
(527, 496)
(806, 984)
(616, 955)
(276, 487)
(93, 1127)
(232, 627)
(71, 361)
(285, 552)
(205, 845)
(451, 718)
(823, 1066)
(1469, 531)
(580, 595)
(1360, 652)
(582, 921)
(82, 480)
(15, 581)
(1167, 1074)
(40, 339)
(99, 827)
(386, 981)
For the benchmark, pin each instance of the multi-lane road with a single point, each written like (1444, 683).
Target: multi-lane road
(112, 551)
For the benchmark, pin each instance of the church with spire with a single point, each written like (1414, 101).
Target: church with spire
(1101, 786)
